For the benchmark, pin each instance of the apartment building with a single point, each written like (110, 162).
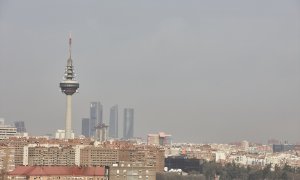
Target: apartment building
(7, 158)
(46, 156)
(98, 156)
(150, 156)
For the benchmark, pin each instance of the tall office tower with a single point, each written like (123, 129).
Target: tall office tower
(128, 123)
(113, 122)
(20, 125)
(96, 111)
(69, 86)
(85, 127)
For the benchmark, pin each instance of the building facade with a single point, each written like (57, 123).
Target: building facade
(282, 147)
(18, 146)
(49, 156)
(159, 139)
(7, 159)
(128, 130)
(98, 156)
(85, 127)
(61, 134)
(58, 172)
(96, 114)
(20, 125)
(125, 170)
(7, 131)
(113, 122)
(150, 156)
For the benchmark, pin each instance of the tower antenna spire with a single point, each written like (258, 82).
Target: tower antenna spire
(70, 45)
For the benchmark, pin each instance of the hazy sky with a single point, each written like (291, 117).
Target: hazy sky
(203, 71)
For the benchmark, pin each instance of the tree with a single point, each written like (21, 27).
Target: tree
(266, 172)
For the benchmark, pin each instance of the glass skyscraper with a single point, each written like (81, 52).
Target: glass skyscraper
(85, 127)
(96, 111)
(20, 125)
(128, 129)
(113, 122)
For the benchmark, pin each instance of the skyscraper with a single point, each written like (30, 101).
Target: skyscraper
(96, 111)
(85, 127)
(69, 86)
(128, 123)
(113, 122)
(20, 125)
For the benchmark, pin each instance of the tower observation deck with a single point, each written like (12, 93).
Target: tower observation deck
(69, 86)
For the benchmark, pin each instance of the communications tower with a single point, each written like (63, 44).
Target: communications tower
(69, 86)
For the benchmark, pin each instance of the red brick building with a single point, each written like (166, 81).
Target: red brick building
(58, 172)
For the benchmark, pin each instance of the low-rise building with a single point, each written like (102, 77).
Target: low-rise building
(60, 134)
(282, 147)
(159, 139)
(7, 131)
(125, 170)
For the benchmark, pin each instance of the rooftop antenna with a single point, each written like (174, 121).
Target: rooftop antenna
(70, 44)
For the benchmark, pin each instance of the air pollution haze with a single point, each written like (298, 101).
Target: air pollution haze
(203, 71)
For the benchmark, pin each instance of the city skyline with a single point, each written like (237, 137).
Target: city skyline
(227, 71)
